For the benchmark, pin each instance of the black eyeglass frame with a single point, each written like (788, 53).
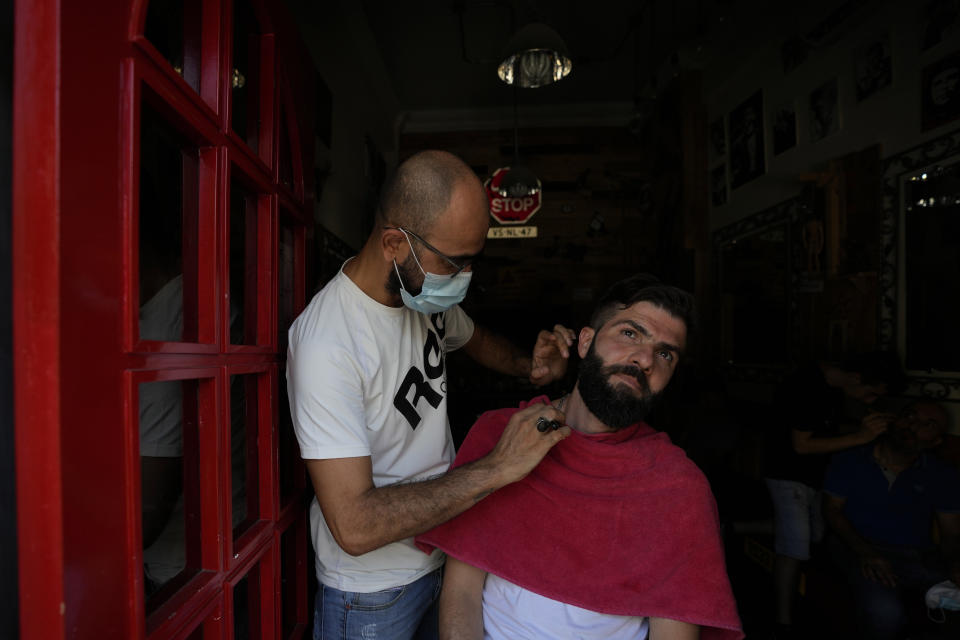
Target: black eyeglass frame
(459, 267)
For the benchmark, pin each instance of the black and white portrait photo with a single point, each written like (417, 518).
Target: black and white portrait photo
(746, 141)
(872, 68)
(718, 139)
(824, 111)
(940, 84)
(718, 185)
(940, 22)
(784, 128)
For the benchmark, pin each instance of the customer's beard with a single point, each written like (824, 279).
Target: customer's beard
(615, 406)
(409, 271)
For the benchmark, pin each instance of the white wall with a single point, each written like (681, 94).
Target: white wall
(890, 117)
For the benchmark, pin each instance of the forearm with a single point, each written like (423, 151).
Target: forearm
(843, 528)
(461, 602)
(666, 629)
(812, 445)
(387, 514)
(497, 353)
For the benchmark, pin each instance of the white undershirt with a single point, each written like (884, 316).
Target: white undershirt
(513, 613)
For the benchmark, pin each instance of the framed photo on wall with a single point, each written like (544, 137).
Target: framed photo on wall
(718, 185)
(940, 92)
(784, 127)
(824, 110)
(872, 66)
(746, 141)
(718, 139)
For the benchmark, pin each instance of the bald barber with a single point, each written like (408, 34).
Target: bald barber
(366, 374)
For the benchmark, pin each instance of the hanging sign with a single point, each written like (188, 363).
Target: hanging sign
(506, 210)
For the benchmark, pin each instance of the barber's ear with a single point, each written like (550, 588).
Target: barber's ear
(392, 242)
(584, 341)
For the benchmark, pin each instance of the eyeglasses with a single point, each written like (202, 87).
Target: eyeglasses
(456, 265)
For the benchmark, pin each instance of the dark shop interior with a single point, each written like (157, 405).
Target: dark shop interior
(180, 178)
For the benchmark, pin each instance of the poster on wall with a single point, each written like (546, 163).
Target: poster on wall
(940, 87)
(824, 111)
(784, 128)
(718, 139)
(872, 66)
(746, 141)
(718, 185)
(940, 22)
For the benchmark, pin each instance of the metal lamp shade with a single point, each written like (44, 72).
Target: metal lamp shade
(518, 182)
(534, 57)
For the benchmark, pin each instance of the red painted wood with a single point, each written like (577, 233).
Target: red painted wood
(36, 315)
(82, 73)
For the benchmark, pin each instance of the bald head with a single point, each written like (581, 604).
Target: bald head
(422, 189)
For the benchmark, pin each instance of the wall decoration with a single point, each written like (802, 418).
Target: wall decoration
(940, 86)
(895, 171)
(755, 262)
(940, 22)
(718, 185)
(746, 141)
(872, 66)
(824, 111)
(784, 128)
(718, 139)
(793, 53)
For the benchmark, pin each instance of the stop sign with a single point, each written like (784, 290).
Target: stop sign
(508, 210)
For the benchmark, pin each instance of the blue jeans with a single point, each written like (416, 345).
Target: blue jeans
(883, 613)
(407, 612)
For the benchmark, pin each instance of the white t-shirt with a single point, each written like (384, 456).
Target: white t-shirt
(365, 379)
(513, 613)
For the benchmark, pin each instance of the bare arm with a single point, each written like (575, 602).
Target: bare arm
(949, 525)
(461, 601)
(873, 566)
(666, 629)
(363, 517)
(871, 426)
(548, 362)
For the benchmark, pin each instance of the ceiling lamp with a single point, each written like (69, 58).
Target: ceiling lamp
(518, 182)
(535, 56)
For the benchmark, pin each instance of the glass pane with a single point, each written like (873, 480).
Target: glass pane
(289, 570)
(173, 27)
(285, 295)
(931, 229)
(285, 159)
(246, 606)
(245, 117)
(243, 264)
(168, 222)
(168, 465)
(243, 451)
(289, 453)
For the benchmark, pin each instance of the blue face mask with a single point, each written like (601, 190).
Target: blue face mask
(438, 293)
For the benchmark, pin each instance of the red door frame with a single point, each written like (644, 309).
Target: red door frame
(36, 315)
(77, 491)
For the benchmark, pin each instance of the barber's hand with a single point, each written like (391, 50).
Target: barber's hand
(873, 425)
(878, 569)
(550, 355)
(522, 446)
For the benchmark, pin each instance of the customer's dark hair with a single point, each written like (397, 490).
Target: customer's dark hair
(644, 287)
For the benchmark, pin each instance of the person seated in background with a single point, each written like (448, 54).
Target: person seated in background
(821, 408)
(880, 500)
(615, 533)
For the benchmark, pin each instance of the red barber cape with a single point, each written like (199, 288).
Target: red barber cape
(620, 523)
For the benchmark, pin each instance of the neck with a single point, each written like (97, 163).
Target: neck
(578, 416)
(893, 458)
(368, 272)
